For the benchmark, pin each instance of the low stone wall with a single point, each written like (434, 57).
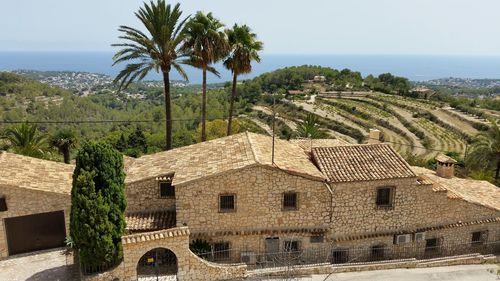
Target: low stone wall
(406, 263)
(190, 267)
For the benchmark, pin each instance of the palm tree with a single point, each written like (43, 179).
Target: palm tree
(485, 152)
(310, 128)
(244, 48)
(26, 140)
(206, 42)
(64, 140)
(157, 50)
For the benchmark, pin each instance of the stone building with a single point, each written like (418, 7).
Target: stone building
(34, 203)
(321, 200)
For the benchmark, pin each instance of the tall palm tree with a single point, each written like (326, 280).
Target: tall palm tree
(158, 49)
(206, 42)
(244, 48)
(64, 140)
(26, 140)
(485, 152)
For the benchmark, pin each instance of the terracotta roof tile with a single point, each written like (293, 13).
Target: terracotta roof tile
(150, 221)
(220, 155)
(475, 191)
(361, 163)
(308, 144)
(33, 173)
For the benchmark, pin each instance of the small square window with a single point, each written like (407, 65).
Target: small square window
(227, 203)
(290, 201)
(167, 190)
(385, 196)
(317, 239)
(478, 237)
(222, 251)
(291, 246)
(3, 204)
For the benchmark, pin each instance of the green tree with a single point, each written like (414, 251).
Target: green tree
(25, 139)
(310, 128)
(98, 204)
(63, 140)
(244, 48)
(138, 140)
(206, 43)
(159, 51)
(121, 143)
(485, 152)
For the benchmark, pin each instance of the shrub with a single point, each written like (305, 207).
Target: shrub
(98, 204)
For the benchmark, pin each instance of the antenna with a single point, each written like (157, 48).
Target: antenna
(274, 118)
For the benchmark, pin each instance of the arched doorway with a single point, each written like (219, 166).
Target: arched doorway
(157, 264)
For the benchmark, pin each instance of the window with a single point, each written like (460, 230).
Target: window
(478, 237)
(291, 246)
(227, 203)
(3, 204)
(290, 201)
(317, 239)
(340, 256)
(167, 190)
(431, 245)
(384, 197)
(222, 251)
(377, 253)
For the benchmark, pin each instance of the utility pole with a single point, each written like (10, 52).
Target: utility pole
(274, 118)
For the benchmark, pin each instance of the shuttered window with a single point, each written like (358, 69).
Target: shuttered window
(290, 201)
(3, 204)
(385, 196)
(167, 190)
(227, 202)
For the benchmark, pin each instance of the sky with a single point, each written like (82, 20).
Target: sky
(406, 27)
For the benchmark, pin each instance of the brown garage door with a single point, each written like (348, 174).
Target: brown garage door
(35, 232)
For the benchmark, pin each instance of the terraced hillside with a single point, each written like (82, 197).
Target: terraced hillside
(413, 126)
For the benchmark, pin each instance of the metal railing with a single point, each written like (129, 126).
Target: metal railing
(346, 255)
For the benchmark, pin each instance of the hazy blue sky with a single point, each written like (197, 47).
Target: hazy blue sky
(286, 26)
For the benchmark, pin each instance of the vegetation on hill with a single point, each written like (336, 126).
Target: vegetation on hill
(23, 99)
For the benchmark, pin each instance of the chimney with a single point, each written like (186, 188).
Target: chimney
(445, 166)
(374, 137)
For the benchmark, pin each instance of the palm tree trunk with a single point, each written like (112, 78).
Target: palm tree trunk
(231, 105)
(66, 155)
(204, 106)
(168, 111)
(497, 172)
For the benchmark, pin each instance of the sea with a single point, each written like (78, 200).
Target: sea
(414, 67)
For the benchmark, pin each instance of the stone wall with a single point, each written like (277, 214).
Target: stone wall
(414, 206)
(190, 267)
(451, 241)
(145, 195)
(259, 194)
(22, 201)
(255, 245)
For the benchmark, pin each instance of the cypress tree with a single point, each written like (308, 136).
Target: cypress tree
(98, 204)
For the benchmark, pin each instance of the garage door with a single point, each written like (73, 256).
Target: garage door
(35, 232)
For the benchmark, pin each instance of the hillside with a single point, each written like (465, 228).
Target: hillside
(345, 104)
(23, 99)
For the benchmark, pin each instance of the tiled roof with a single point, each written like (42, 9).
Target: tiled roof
(150, 220)
(361, 163)
(445, 159)
(155, 235)
(220, 155)
(33, 173)
(475, 191)
(308, 144)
